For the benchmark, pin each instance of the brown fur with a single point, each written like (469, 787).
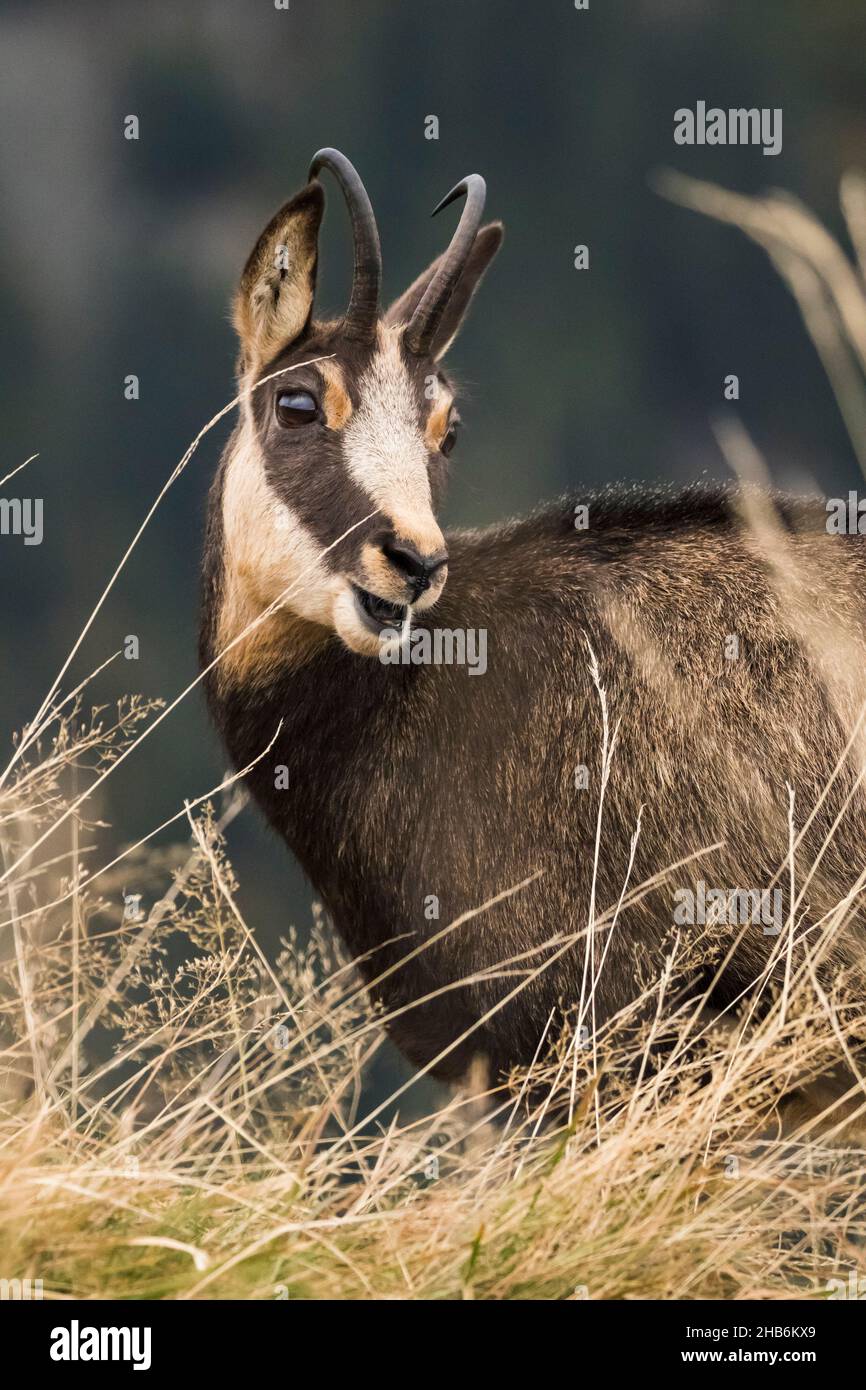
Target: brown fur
(437, 420)
(338, 402)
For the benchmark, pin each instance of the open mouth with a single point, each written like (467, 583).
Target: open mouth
(377, 613)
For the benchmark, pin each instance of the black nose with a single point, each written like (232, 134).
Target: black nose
(417, 569)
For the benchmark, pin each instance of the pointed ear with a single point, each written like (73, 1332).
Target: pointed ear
(487, 243)
(275, 297)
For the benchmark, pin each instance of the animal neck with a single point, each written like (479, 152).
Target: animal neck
(258, 647)
(241, 626)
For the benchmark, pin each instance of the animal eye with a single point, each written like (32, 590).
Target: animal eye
(450, 438)
(296, 408)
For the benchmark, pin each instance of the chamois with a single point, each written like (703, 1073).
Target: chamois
(412, 793)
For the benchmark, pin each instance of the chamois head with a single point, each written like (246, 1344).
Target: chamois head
(360, 435)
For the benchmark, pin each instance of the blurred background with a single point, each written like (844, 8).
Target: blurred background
(119, 257)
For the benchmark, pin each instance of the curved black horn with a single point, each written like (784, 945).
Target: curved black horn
(360, 317)
(427, 317)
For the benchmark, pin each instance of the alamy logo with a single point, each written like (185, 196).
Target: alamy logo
(20, 1290)
(737, 126)
(852, 1288)
(846, 516)
(729, 907)
(76, 1343)
(22, 516)
(439, 646)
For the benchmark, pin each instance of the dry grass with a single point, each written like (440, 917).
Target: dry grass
(182, 1118)
(220, 1150)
